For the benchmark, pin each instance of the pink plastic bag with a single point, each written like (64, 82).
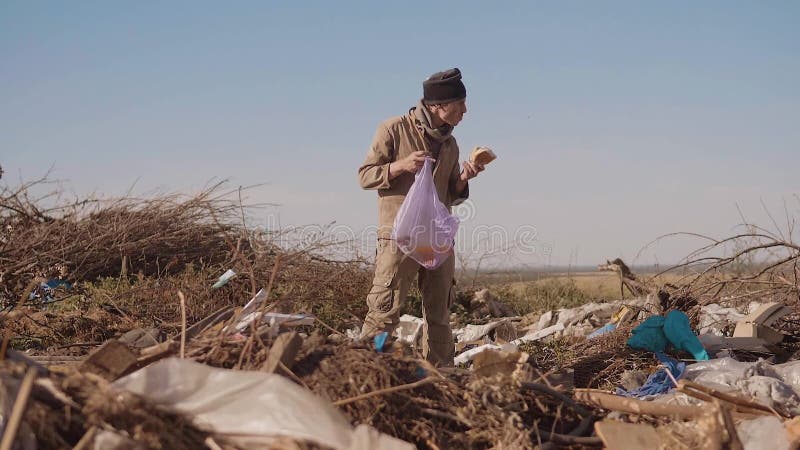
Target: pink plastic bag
(424, 228)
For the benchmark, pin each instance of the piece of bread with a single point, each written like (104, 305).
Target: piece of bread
(482, 155)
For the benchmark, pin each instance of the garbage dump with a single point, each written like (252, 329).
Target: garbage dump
(146, 339)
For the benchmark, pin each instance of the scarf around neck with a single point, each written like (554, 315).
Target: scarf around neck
(422, 115)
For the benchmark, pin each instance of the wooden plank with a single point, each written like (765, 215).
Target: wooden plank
(14, 355)
(283, 352)
(156, 352)
(613, 402)
(627, 436)
(110, 361)
(57, 358)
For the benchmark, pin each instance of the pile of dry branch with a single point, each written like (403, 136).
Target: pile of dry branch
(125, 259)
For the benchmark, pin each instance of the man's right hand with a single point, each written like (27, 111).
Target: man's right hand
(410, 164)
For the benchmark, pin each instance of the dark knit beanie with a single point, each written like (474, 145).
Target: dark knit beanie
(443, 87)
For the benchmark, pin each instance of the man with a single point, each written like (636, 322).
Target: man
(398, 151)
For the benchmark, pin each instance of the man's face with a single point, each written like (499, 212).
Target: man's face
(451, 113)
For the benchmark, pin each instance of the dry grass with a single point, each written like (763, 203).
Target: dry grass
(566, 290)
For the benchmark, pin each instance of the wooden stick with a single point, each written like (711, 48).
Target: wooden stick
(710, 399)
(183, 323)
(734, 443)
(688, 387)
(87, 439)
(156, 352)
(613, 402)
(4, 345)
(671, 377)
(212, 444)
(57, 358)
(388, 390)
(246, 348)
(288, 372)
(272, 277)
(18, 409)
(330, 328)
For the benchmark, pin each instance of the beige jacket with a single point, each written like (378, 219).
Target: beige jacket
(394, 140)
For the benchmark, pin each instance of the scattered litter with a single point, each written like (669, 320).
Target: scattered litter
(409, 330)
(655, 333)
(380, 341)
(471, 332)
(659, 382)
(758, 323)
(540, 334)
(353, 333)
(223, 279)
(624, 315)
(585, 319)
(468, 355)
(718, 320)
(250, 313)
(602, 330)
(45, 291)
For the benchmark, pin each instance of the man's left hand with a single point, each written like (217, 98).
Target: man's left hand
(471, 170)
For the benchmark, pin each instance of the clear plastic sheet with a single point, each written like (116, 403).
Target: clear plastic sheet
(772, 385)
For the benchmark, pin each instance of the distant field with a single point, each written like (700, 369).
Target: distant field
(595, 285)
(543, 291)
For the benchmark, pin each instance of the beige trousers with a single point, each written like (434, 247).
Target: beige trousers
(394, 273)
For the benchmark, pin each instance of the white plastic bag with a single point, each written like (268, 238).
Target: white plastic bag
(424, 228)
(251, 408)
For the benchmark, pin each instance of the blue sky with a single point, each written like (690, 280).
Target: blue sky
(614, 122)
